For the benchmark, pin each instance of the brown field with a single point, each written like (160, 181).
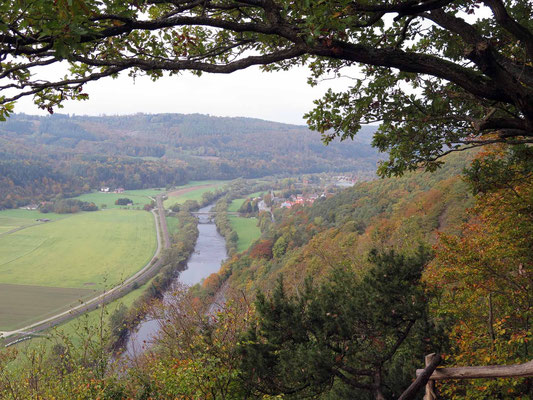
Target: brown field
(179, 192)
(20, 305)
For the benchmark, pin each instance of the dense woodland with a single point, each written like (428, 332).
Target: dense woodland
(43, 157)
(436, 260)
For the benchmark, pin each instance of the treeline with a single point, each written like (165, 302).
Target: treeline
(67, 206)
(211, 148)
(41, 157)
(30, 181)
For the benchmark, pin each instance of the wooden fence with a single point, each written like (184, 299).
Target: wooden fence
(427, 376)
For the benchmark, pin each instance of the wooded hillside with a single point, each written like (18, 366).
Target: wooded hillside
(45, 156)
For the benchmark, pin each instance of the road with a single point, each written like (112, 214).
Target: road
(163, 221)
(146, 273)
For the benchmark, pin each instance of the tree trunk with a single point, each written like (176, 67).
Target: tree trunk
(377, 386)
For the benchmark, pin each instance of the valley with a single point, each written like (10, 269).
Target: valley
(49, 267)
(161, 278)
(378, 247)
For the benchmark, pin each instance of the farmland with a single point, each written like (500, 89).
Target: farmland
(25, 303)
(16, 219)
(139, 198)
(71, 256)
(192, 191)
(247, 230)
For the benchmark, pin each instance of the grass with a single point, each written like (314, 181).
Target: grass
(20, 305)
(139, 198)
(79, 327)
(16, 219)
(172, 224)
(92, 318)
(198, 183)
(247, 230)
(237, 203)
(86, 250)
(194, 194)
(145, 192)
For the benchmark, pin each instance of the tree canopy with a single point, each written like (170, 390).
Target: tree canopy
(437, 74)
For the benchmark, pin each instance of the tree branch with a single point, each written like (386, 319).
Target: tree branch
(510, 25)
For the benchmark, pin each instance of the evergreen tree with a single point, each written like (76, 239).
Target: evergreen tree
(361, 337)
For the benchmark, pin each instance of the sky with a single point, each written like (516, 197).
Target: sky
(276, 96)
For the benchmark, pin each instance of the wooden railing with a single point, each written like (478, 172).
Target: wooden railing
(427, 376)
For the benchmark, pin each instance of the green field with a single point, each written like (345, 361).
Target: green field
(139, 197)
(237, 203)
(247, 230)
(195, 194)
(88, 251)
(16, 219)
(172, 224)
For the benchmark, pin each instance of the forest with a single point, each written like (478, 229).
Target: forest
(58, 155)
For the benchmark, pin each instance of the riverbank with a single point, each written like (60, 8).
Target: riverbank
(207, 257)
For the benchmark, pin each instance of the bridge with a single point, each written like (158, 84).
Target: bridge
(213, 213)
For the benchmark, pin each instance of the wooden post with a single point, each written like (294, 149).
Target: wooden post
(430, 385)
(422, 379)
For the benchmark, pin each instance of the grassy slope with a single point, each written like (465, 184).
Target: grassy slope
(93, 318)
(247, 230)
(86, 250)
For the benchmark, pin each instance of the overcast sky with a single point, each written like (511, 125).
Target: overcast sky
(277, 96)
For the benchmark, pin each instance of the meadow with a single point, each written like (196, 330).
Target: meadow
(139, 198)
(16, 219)
(247, 230)
(87, 251)
(237, 203)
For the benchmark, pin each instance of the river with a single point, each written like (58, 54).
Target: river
(209, 253)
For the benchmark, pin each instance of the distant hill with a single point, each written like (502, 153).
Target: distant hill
(178, 136)
(118, 150)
